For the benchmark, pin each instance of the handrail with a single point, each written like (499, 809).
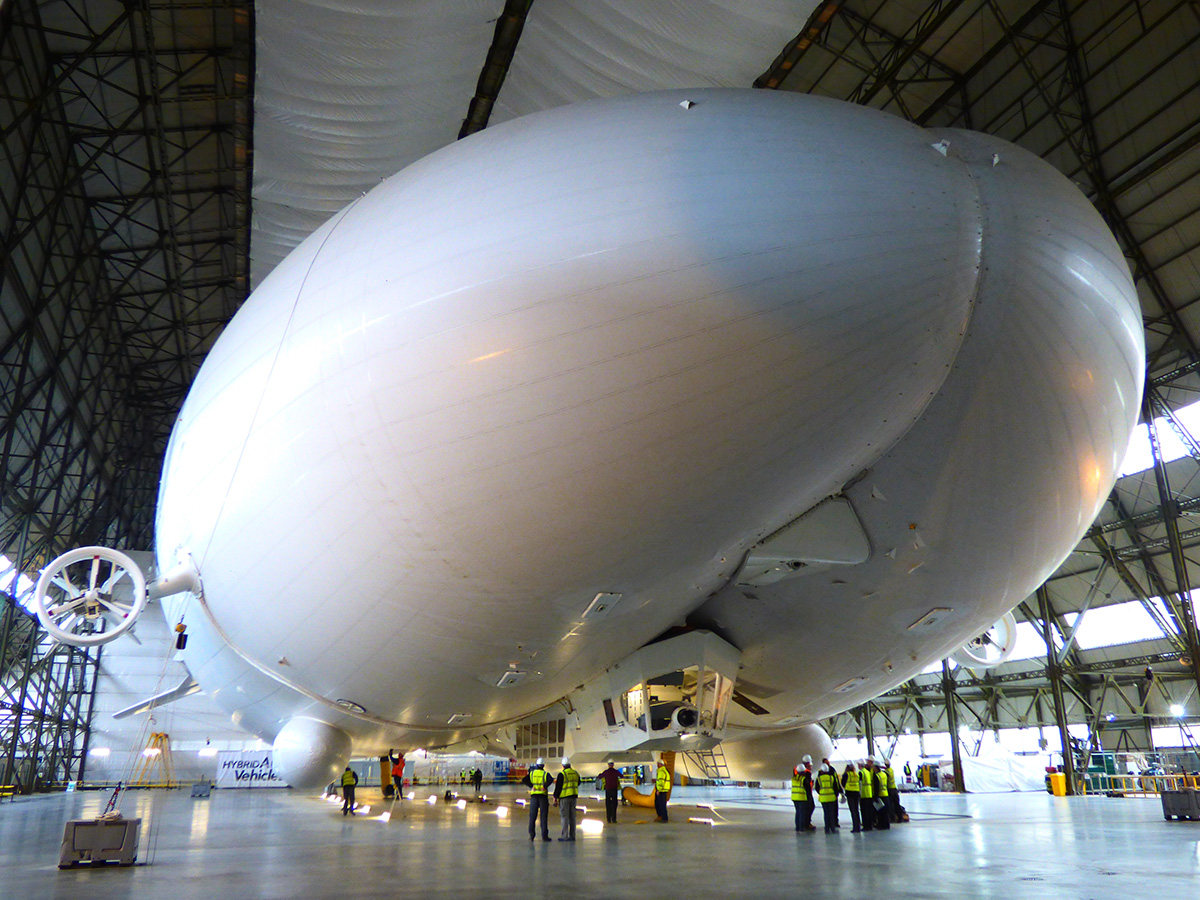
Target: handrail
(1140, 785)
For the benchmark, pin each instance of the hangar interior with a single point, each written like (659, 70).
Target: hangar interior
(149, 178)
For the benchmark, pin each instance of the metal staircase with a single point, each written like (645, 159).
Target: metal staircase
(710, 763)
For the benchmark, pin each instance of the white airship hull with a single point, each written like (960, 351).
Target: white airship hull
(608, 349)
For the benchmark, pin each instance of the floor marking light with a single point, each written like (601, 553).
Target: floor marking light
(702, 821)
(502, 812)
(591, 826)
(432, 799)
(461, 804)
(363, 810)
(385, 817)
(412, 795)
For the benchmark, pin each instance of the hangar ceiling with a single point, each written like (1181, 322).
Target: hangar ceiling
(131, 130)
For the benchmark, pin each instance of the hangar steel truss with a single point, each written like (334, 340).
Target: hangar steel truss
(124, 229)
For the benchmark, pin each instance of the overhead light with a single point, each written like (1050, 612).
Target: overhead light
(601, 603)
(931, 619)
(511, 677)
(208, 752)
(100, 751)
(1111, 717)
(1177, 709)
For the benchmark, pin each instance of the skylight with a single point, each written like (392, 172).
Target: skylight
(1121, 623)
(25, 584)
(1138, 457)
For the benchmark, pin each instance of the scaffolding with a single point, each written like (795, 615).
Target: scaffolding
(46, 694)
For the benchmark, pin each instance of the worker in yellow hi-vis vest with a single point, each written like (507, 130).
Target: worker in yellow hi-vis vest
(538, 780)
(883, 808)
(828, 791)
(566, 801)
(850, 789)
(662, 788)
(866, 793)
(349, 780)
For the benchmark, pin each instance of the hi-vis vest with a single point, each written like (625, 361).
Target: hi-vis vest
(852, 780)
(882, 787)
(349, 778)
(891, 780)
(797, 786)
(662, 781)
(826, 787)
(866, 785)
(570, 786)
(538, 781)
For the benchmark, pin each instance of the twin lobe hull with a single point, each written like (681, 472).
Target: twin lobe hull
(605, 348)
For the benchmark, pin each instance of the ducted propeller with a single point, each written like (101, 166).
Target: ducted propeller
(89, 596)
(992, 647)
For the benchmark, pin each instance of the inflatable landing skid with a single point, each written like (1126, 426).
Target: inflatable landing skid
(634, 797)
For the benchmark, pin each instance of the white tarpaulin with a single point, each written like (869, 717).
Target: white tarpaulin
(349, 92)
(998, 772)
(247, 769)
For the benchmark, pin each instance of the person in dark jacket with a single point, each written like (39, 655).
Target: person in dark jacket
(612, 785)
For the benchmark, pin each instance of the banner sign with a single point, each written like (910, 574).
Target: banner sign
(247, 769)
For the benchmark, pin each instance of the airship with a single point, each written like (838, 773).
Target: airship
(695, 416)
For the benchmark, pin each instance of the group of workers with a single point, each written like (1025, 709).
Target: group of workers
(565, 790)
(868, 790)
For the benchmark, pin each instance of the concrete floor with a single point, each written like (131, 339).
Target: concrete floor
(275, 844)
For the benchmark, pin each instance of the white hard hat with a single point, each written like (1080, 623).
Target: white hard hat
(539, 762)
(806, 758)
(566, 762)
